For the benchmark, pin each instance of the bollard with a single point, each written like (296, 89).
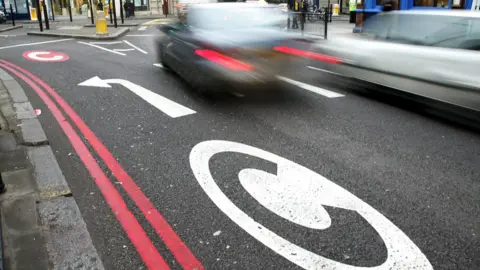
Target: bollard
(70, 11)
(110, 11)
(114, 14)
(121, 10)
(53, 12)
(325, 27)
(330, 12)
(101, 24)
(91, 10)
(11, 13)
(45, 13)
(39, 14)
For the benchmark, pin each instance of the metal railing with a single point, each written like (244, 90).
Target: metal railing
(310, 23)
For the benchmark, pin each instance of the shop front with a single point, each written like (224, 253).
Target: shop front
(20, 8)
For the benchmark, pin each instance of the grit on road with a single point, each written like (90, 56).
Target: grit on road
(315, 174)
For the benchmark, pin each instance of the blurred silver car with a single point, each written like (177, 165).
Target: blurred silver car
(429, 54)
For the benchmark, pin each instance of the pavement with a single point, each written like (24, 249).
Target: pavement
(41, 225)
(8, 27)
(316, 175)
(81, 32)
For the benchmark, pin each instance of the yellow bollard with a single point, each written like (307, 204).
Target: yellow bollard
(336, 10)
(33, 14)
(101, 24)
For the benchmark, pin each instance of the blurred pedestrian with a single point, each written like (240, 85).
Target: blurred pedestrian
(304, 11)
(99, 5)
(126, 7)
(352, 4)
(387, 6)
(132, 9)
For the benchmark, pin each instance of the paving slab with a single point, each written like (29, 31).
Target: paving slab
(50, 180)
(69, 244)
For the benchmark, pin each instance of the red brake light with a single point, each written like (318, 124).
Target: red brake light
(223, 60)
(311, 55)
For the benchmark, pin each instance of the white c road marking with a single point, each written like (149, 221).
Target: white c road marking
(35, 56)
(298, 195)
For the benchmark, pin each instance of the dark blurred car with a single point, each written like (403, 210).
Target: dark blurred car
(226, 45)
(3, 18)
(432, 56)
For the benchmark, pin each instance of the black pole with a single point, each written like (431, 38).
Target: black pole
(331, 12)
(53, 13)
(121, 11)
(91, 11)
(110, 11)
(70, 11)
(11, 14)
(45, 12)
(325, 28)
(39, 14)
(114, 14)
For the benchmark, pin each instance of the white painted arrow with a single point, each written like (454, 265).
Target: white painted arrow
(165, 105)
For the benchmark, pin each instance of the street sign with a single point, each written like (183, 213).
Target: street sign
(298, 195)
(165, 105)
(45, 56)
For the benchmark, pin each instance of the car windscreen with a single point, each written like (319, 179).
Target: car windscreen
(234, 18)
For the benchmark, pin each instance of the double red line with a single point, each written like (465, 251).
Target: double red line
(137, 235)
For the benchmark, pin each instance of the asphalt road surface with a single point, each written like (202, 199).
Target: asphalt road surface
(315, 177)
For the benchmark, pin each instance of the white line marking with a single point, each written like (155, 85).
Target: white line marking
(159, 65)
(143, 28)
(124, 50)
(167, 106)
(314, 89)
(105, 42)
(135, 47)
(36, 43)
(324, 70)
(140, 35)
(101, 48)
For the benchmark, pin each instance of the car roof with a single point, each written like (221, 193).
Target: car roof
(449, 13)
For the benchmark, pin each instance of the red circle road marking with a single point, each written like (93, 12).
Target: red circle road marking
(45, 56)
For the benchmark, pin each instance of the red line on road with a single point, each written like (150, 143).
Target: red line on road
(147, 251)
(173, 242)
